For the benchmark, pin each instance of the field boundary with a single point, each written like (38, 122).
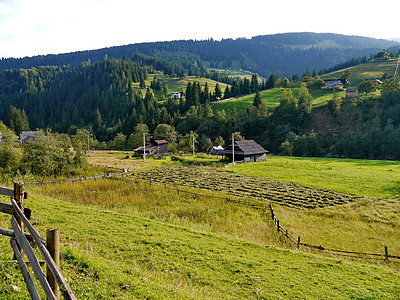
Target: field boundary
(106, 175)
(319, 248)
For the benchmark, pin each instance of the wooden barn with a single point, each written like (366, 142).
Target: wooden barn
(158, 147)
(246, 151)
(351, 93)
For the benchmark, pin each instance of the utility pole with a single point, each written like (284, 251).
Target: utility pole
(88, 144)
(397, 68)
(144, 146)
(193, 143)
(233, 152)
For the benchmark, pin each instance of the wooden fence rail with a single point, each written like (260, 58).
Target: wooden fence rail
(352, 254)
(21, 247)
(107, 175)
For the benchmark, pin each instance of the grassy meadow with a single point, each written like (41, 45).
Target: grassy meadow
(128, 240)
(372, 69)
(372, 178)
(125, 238)
(272, 97)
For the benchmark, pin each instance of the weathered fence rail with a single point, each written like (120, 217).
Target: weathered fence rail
(319, 248)
(21, 247)
(107, 175)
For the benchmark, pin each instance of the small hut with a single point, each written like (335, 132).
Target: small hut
(157, 147)
(246, 151)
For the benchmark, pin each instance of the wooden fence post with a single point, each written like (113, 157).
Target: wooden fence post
(19, 199)
(386, 252)
(298, 243)
(53, 246)
(277, 224)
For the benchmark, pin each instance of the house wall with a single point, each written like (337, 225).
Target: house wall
(255, 158)
(163, 148)
(261, 157)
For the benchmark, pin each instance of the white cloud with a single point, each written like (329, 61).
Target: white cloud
(46, 26)
(5, 9)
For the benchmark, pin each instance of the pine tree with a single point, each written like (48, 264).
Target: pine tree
(257, 100)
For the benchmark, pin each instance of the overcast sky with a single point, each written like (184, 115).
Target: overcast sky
(39, 27)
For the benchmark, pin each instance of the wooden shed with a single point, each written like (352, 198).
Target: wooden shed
(246, 151)
(351, 93)
(157, 147)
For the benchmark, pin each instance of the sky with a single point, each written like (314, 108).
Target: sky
(40, 27)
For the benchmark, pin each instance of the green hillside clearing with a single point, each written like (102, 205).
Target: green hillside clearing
(272, 96)
(372, 69)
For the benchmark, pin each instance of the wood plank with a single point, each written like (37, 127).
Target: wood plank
(24, 244)
(10, 233)
(25, 273)
(6, 208)
(6, 192)
(62, 282)
(6, 232)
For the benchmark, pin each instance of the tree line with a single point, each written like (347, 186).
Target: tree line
(102, 98)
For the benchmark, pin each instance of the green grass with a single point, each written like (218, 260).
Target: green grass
(272, 96)
(122, 254)
(373, 69)
(179, 84)
(371, 178)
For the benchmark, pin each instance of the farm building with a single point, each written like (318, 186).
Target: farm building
(26, 136)
(351, 93)
(331, 84)
(158, 147)
(177, 95)
(246, 151)
(216, 150)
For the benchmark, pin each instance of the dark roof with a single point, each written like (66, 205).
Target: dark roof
(245, 148)
(250, 147)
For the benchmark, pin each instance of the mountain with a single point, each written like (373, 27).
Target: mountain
(282, 54)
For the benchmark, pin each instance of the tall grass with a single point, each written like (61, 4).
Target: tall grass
(187, 207)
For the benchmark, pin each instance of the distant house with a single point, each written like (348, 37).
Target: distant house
(246, 151)
(331, 84)
(26, 136)
(351, 93)
(158, 147)
(177, 95)
(216, 150)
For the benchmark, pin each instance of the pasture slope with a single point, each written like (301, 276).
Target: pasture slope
(127, 239)
(107, 254)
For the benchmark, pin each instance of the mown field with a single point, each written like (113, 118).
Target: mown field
(283, 193)
(128, 239)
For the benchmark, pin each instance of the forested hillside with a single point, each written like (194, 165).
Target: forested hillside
(281, 54)
(112, 98)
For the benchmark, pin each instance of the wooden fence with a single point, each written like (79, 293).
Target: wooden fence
(107, 175)
(297, 241)
(351, 254)
(54, 282)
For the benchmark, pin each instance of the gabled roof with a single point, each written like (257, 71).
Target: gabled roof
(250, 147)
(245, 148)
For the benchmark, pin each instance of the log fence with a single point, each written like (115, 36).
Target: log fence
(54, 282)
